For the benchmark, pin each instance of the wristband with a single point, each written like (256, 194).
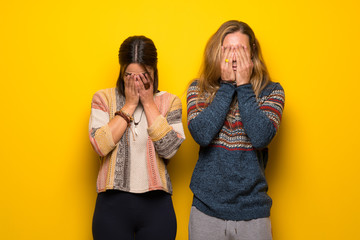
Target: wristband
(125, 116)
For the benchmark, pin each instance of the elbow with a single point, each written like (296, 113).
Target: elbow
(103, 153)
(262, 141)
(258, 144)
(167, 151)
(202, 139)
(98, 150)
(261, 135)
(167, 156)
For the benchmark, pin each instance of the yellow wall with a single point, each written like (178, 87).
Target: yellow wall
(55, 54)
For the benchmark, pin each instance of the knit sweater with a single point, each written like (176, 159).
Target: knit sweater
(137, 163)
(228, 181)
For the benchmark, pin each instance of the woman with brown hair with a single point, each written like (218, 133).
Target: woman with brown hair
(135, 129)
(234, 111)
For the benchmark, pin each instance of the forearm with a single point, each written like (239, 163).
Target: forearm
(209, 121)
(151, 112)
(166, 138)
(167, 133)
(118, 124)
(259, 128)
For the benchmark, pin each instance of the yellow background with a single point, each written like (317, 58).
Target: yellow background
(55, 54)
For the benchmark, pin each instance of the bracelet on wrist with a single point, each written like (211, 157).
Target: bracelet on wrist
(125, 116)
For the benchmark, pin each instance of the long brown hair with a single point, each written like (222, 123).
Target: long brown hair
(210, 73)
(141, 50)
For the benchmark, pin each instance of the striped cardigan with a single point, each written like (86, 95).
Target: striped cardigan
(163, 138)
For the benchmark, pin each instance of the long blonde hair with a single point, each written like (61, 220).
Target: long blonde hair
(210, 73)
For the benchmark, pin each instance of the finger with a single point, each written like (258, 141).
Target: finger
(229, 55)
(249, 61)
(239, 59)
(226, 60)
(232, 57)
(145, 83)
(226, 55)
(147, 80)
(134, 83)
(137, 86)
(144, 80)
(242, 56)
(126, 80)
(245, 55)
(222, 54)
(128, 84)
(248, 54)
(236, 56)
(136, 79)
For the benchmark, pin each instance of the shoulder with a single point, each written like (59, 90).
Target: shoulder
(167, 102)
(272, 88)
(105, 93)
(103, 96)
(194, 84)
(164, 96)
(193, 89)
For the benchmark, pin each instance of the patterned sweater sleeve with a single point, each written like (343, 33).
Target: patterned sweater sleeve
(261, 121)
(99, 131)
(167, 133)
(205, 121)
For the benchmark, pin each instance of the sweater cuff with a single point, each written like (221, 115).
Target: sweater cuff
(104, 139)
(159, 128)
(244, 92)
(233, 83)
(226, 90)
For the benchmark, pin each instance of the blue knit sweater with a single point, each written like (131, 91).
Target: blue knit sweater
(229, 180)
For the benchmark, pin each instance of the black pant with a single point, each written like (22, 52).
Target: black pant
(124, 216)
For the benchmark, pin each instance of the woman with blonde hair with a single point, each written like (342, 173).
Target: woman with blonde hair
(135, 129)
(234, 111)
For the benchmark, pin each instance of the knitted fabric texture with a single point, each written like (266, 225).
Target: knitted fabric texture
(233, 132)
(161, 141)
